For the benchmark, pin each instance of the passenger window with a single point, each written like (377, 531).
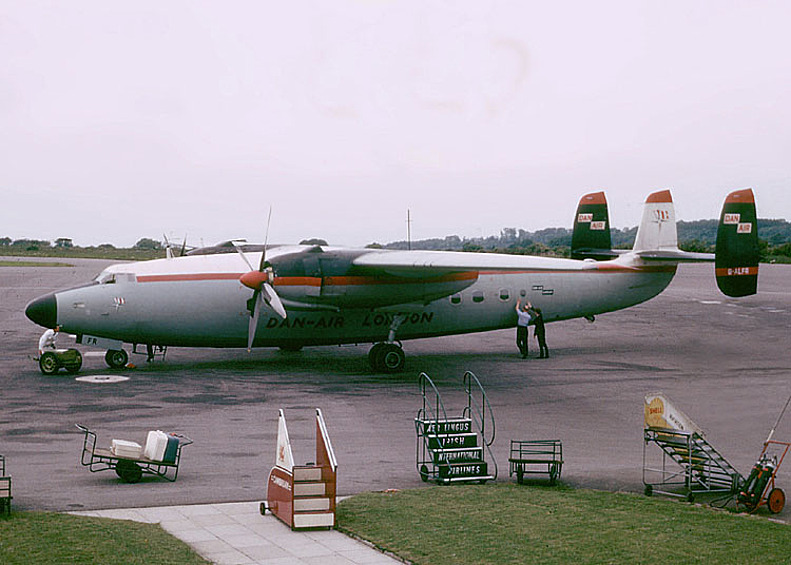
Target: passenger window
(477, 296)
(505, 294)
(455, 299)
(523, 293)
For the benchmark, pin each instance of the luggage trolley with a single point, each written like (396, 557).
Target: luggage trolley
(131, 469)
(536, 457)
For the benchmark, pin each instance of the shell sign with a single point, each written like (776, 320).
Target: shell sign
(660, 413)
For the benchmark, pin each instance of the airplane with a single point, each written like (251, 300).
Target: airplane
(305, 295)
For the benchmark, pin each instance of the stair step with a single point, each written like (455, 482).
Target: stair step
(459, 470)
(453, 441)
(313, 504)
(307, 473)
(449, 426)
(314, 519)
(310, 489)
(468, 455)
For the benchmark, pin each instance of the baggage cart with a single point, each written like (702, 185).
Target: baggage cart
(130, 469)
(536, 457)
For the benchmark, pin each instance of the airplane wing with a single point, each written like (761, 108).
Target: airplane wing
(436, 263)
(676, 255)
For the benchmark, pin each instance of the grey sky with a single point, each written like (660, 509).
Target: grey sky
(127, 120)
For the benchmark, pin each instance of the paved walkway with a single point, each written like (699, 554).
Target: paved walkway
(237, 534)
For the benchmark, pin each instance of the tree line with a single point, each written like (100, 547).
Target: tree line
(698, 236)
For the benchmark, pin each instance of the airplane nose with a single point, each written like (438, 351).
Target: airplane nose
(43, 311)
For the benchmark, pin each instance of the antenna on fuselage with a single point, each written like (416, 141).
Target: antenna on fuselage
(408, 229)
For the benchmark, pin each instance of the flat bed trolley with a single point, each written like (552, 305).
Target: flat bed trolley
(130, 469)
(536, 457)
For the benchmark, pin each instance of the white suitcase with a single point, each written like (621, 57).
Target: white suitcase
(126, 449)
(156, 444)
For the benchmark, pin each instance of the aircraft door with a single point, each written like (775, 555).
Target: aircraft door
(333, 270)
(312, 268)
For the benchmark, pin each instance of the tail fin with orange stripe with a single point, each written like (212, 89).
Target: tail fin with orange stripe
(736, 262)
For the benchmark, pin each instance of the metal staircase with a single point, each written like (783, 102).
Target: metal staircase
(454, 449)
(688, 460)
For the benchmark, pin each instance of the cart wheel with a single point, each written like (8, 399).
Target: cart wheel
(691, 497)
(262, 508)
(554, 473)
(648, 490)
(74, 365)
(520, 476)
(116, 358)
(128, 471)
(776, 500)
(48, 363)
(424, 473)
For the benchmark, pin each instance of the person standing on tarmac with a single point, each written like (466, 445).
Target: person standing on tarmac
(540, 333)
(522, 323)
(48, 340)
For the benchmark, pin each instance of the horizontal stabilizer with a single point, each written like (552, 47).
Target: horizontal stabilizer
(736, 263)
(591, 235)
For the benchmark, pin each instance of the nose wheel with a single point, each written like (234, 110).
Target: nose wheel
(387, 358)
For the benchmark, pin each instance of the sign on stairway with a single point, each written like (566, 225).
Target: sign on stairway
(661, 413)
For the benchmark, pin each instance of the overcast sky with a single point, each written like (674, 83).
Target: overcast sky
(122, 120)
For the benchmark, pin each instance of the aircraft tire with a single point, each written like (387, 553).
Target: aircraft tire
(48, 363)
(391, 358)
(373, 355)
(116, 358)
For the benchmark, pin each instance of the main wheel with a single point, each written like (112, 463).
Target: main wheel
(391, 358)
(116, 358)
(128, 471)
(74, 364)
(776, 500)
(48, 363)
(373, 355)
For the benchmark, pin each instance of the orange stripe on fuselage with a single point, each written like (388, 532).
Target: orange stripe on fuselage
(360, 280)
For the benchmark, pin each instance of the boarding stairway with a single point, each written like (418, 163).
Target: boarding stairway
(455, 449)
(698, 466)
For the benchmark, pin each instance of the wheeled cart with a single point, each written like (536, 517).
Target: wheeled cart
(53, 360)
(131, 468)
(536, 457)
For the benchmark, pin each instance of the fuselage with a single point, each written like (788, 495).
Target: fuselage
(198, 301)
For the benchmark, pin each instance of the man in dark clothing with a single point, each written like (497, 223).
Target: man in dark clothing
(523, 320)
(540, 333)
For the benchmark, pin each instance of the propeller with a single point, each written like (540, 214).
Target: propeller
(260, 281)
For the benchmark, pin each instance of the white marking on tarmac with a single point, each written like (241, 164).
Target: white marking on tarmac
(710, 302)
(102, 379)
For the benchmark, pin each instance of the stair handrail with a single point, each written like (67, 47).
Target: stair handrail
(476, 411)
(424, 379)
(421, 447)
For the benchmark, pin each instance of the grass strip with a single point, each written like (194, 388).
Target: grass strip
(45, 537)
(509, 523)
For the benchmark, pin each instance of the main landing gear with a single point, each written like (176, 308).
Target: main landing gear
(116, 358)
(386, 357)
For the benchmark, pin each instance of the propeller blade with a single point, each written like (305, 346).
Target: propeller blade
(253, 323)
(273, 300)
(183, 246)
(239, 250)
(266, 241)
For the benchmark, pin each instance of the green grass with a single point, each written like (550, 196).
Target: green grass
(44, 537)
(508, 523)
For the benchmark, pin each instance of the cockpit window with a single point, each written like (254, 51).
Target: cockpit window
(105, 278)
